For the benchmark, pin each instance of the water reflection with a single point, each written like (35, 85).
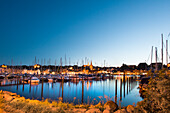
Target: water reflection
(122, 89)
(82, 92)
(116, 91)
(42, 90)
(127, 85)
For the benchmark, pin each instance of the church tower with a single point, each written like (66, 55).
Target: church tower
(91, 66)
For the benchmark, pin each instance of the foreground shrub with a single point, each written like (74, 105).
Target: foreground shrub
(157, 95)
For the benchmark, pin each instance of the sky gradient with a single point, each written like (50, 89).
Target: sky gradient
(118, 31)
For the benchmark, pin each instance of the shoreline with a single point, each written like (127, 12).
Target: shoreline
(11, 102)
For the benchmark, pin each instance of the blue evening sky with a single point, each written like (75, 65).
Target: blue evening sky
(118, 31)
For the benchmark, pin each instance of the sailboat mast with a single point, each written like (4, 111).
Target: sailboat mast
(69, 61)
(41, 64)
(44, 61)
(20, 67)
(34, 64)
(104, 62)
(49, 63)
(61, 64)
(151, 56)
(65, 60)
(65, 63)
(167, 52)
(82, 65)
(55, 65)
(156, 68)
(35, 60)
(162, 50)
(77, 65)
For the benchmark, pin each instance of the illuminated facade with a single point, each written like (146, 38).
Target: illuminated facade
(89, 66)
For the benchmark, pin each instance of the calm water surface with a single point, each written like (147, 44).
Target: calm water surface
(90, 92)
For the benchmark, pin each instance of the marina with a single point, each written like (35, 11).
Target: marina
(91, 56)
(123, 90)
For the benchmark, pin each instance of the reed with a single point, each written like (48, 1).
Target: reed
(30, 105)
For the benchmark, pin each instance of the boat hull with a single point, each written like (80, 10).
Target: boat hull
(33, 81)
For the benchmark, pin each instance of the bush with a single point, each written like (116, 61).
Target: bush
(157, 95)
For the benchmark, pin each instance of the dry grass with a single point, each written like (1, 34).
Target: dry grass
(22, 105)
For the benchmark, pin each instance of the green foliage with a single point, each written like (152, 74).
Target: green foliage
(157, 95)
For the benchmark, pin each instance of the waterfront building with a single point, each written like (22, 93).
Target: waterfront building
(142, 66)
(156, 65)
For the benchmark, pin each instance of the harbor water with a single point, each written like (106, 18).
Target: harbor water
(122, 90)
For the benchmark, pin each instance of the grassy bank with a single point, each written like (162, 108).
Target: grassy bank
(11, 102)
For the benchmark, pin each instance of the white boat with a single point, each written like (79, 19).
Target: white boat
(34, 80)
(50, 79)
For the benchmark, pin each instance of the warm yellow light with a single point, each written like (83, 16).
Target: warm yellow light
(71, 68)
(168, 65)
(4, 66)
(36, 66)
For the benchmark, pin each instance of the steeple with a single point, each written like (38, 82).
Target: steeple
(91, 66)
